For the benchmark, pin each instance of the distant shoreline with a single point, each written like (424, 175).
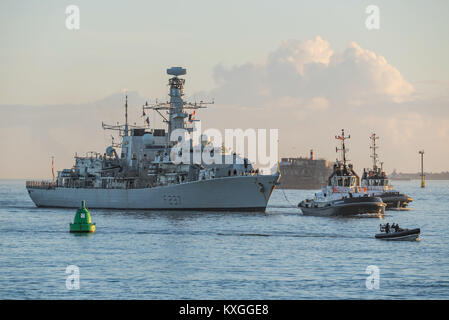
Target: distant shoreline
(419, 179)
(393, 179)
(417, 176)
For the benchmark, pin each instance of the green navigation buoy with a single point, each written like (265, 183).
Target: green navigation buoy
(82, 221)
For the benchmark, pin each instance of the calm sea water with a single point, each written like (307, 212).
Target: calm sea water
(217, 255)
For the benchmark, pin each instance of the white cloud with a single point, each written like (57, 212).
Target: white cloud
(310, 92)
(362, 75)
(299, 53)
(310, 70)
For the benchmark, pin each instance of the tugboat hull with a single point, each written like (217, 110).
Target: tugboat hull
(345, 207)
(395, 200)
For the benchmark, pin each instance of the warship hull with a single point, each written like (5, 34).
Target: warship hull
(237, 193)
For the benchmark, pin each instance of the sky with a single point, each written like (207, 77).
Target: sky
(307, 68)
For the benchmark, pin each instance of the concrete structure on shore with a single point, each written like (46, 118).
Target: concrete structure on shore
(304, 173)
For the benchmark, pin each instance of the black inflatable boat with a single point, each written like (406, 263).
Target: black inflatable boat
(402, 234)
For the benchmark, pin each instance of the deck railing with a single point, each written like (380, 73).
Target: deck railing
(42, 184)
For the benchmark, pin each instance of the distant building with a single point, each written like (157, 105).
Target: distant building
(304, 173)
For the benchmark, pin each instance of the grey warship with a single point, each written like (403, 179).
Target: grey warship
(376, 181)
(140, 173)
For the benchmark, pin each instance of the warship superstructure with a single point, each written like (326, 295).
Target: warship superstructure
(141, 171)
(377, 183)
(343, 195)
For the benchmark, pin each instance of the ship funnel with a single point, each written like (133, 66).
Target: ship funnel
(176, 71)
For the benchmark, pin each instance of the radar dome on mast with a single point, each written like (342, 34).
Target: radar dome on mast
(176, 71)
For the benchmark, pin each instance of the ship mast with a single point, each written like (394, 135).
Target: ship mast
(373, 147)
(176, 107)
(123, 129)
(343, 149)
(176, 114)
(126, 115)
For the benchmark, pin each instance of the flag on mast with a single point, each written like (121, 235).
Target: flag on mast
(191, 116)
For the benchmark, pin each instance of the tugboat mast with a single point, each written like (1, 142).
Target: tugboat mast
(343, 150)
(373, 147)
